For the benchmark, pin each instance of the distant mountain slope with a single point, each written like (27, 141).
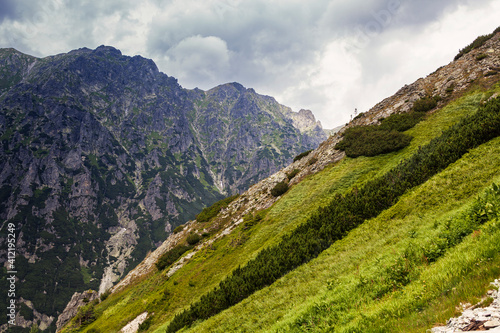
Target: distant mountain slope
(102, 156)
(400, 264)
(229, 117)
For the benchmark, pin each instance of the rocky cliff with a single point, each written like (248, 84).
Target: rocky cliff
(102, 155)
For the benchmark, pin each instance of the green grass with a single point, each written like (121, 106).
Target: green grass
(302, 294)
(327, 291)
(444, 119)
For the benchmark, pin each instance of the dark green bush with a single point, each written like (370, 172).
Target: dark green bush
(371, 141)
(374, 140)
(178, 229)
(26, 312)
(193, 239)
(401, 121)
(478, 42)
(292, 174)
(425, 104)
(105, 295)
(146, 324)
(302, 155)
(210, 212)
(250, 220)
(279, 189)
(87, 314)
(169, 257)
(481, 56)
(359, 116)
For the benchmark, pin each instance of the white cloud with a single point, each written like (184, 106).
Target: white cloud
(327, 85)
(330, 56)
(197, 60)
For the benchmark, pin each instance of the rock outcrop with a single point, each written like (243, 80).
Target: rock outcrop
(477, 318)
(133, 326)
(77, 301)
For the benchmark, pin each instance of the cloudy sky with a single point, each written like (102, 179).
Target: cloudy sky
(327, 56)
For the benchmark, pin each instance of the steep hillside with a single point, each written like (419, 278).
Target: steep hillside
(392, 242)
(102, 156)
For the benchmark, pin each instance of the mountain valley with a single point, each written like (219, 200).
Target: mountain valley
(389, 225)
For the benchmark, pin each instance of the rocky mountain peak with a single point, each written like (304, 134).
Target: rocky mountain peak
(304, 120)
(108, 50)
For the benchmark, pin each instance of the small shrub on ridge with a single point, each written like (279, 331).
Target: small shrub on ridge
(301, 155)
(279, 189)
(193, 239)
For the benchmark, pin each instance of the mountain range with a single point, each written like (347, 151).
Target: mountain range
(390, 225)
(103, 156)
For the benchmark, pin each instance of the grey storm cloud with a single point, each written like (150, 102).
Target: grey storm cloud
(425, 11)
(7, 9)
(318, 54)
(265, 36)
(261, 37)
(26, 11)
(253, 28)
(88, 11)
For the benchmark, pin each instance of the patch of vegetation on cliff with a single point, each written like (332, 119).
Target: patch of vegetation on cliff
(169, 257)
(279, 189)
(371, 141)
(302, 155)
(477, 43)
(210, 212)
(386, 137)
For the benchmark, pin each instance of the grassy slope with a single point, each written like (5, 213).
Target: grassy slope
(297, 294)
(303, 300)
(329, 287)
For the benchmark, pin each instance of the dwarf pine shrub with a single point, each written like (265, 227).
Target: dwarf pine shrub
(169, 257)
(301, 155)
(210, 212)
(193, 239)
(279, 189)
